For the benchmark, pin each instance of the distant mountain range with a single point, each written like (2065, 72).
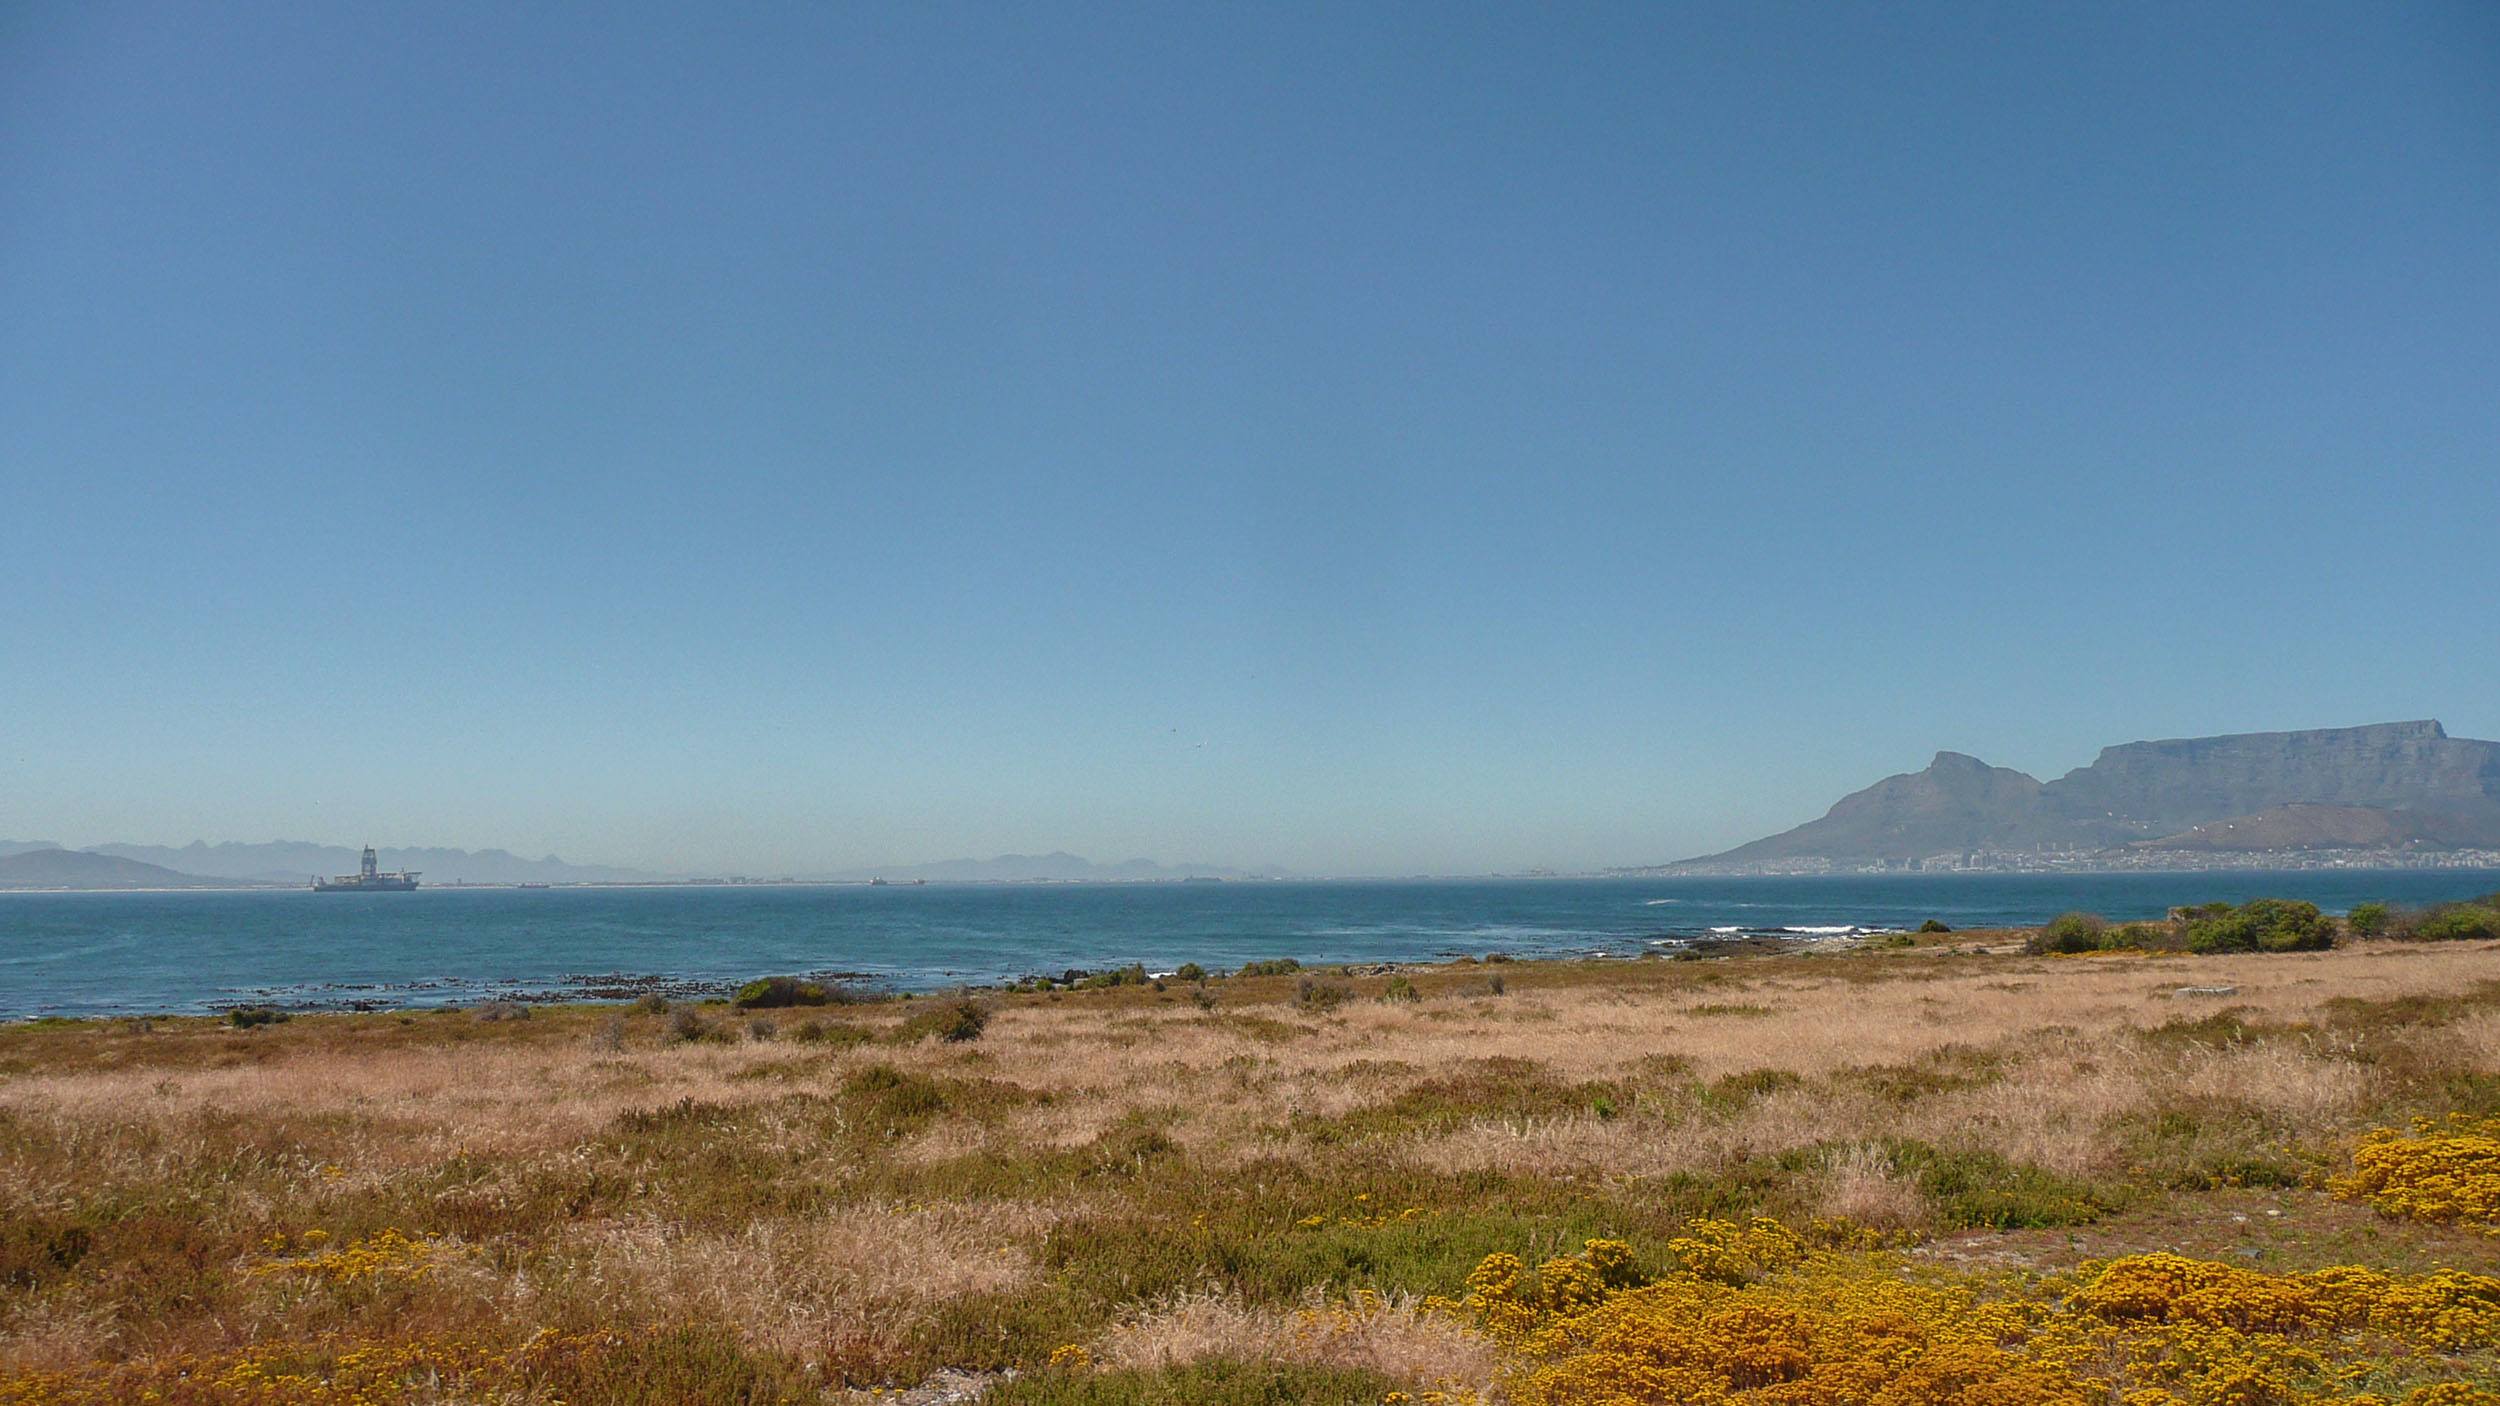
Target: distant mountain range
(296, 861)
(56, 868)
(1056, 867)
(2391, 787)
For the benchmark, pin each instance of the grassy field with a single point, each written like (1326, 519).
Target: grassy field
(1948, 1172)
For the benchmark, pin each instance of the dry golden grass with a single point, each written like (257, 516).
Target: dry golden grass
(1393, 1337)
(1164, 1182)
(795, 1284)
(1863, 1183)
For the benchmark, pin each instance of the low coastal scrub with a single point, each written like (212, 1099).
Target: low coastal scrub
(2445, 1171)
(2260, 925)
(1317, 994)
(772, 992)
(1763, 1314)
(2474, 921)
(1820, 1176)
(954, 1022)
(1198, 1384)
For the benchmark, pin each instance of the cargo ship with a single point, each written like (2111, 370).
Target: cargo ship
(370, 877)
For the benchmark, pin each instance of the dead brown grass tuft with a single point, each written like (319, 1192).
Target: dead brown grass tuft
(1860, 1184)
(1395, 1338)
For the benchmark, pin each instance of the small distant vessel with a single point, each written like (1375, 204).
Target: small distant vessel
(370, 878)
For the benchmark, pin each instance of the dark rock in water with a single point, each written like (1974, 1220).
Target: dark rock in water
(1749, 945)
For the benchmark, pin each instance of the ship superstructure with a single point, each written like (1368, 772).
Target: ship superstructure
(370, 877)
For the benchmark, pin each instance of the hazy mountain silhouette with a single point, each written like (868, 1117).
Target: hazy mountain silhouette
(2388, 785)
(81, 869)
(295, 861)
(1057, 866)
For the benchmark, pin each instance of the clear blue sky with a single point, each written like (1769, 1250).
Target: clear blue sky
(1356, 438)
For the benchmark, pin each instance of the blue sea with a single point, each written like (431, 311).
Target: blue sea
(86, 954)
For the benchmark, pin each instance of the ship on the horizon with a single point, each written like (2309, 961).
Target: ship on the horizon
(370, 877)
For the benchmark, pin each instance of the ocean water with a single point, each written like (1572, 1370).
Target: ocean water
(110, 954)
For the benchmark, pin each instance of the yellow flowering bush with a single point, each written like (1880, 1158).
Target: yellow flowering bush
(548, 1368)
(1759, 1316)
(2448, 1309)
(386, 1256)
(2446, 1171)
(1731, 1254)
(370, 1374)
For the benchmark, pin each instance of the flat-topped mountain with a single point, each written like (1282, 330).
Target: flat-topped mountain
(2388, 786)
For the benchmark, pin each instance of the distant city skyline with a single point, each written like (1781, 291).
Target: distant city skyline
(1364, 441)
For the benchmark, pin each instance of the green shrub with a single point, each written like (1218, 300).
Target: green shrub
(1738, 1089)
(953, 1021)
(1934, 925)
(2369, 919)
(1401, 989)
(2068, 932)
(1273, 966)
(1315, 994)
(817, 1031)
(887, 1100)
(2455, 922)
(245, 1017)
(1973, 1188)
(1190, 971)
(2261, 925)
(770, 992)
(2140, 937)
(1134, 974)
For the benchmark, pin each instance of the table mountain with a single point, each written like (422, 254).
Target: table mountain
(2388, 785)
